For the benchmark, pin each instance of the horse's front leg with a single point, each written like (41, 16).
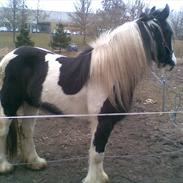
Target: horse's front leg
(101, 134)
(29, 153)
(5, 166)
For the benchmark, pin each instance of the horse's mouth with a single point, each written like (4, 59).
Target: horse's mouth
(171, 67)
(168, 67)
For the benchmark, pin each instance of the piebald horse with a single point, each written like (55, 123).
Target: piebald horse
(99, 80)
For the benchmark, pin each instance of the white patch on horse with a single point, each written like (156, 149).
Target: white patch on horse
(174, 59)
(95, 102)
(44, 49)
(72, 104)
(26, 140)
(52, 57)
(5, 166)
(4, 62)
(96, 172)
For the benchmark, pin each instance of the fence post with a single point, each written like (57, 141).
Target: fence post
(163, 94)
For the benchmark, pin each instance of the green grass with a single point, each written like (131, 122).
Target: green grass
(178, 47)
(40, 40)
(6, 40)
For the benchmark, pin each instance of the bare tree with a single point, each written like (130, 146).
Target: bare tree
(81, 16)
(177, 23)
(37, 14)
(14, 14)
(112, 14)
(135, 8)
(24, 13)
(117, 12)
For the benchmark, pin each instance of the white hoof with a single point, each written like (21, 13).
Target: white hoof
(102, 178)
(37, 164)
(5, 167)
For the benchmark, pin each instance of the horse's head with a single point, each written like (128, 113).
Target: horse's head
(160, 36)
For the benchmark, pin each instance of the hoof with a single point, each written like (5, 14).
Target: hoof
(103, 178)
(37, 164)
(6, 167)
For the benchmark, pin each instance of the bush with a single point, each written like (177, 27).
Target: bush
(23, 38)
(60, 39)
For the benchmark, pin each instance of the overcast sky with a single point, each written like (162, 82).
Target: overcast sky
(67, 5)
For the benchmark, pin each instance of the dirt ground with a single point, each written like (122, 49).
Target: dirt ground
(141, 149)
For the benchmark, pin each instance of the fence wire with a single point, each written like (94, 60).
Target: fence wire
(91, 115)
(166, 88)
(172, 113)
(156, 155)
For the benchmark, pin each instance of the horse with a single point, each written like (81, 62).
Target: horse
(100, 80)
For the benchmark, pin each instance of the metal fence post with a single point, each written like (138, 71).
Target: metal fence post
(164, 94)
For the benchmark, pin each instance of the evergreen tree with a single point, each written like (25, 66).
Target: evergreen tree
(23, 38)
(60, 39)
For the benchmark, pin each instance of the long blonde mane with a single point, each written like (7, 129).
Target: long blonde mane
(119, 61)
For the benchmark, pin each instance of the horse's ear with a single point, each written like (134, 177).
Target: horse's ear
(165, 12)
(152, 10)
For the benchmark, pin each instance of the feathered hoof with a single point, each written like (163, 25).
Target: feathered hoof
(103, 178)
(37, 164)
(6, 167)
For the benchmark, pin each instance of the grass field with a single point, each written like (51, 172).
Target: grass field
(40, 40)
(178, 47)
(43, 39)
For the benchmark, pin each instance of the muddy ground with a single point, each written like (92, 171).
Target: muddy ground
(142, 149)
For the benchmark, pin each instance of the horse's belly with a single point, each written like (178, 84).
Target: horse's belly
(68, 104)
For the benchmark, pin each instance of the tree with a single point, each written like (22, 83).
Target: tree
(177, 23)
(81, 16)
(60, 39)
(135, 8)
(23, 38)
(24, 14)
(112, 14)
(39, 15)
(14, 15)
(117, 12)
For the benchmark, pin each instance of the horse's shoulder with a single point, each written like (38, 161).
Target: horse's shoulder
(74, 71)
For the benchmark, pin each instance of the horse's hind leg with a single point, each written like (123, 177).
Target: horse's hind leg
(8, 107)
(5, 166)
(29, 153)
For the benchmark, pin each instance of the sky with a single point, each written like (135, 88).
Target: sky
(68, 5)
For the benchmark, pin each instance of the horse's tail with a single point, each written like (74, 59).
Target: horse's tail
(47, 107)
(12, 139)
